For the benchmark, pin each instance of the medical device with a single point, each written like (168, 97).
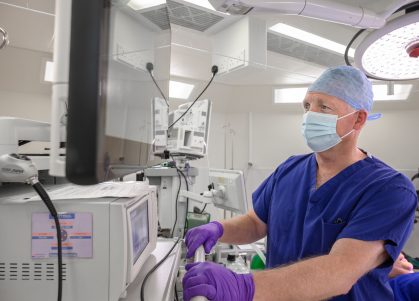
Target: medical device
(16, 132)
(228, 190)
(199, 257)
(102, 76)
(20, 169)
(189, 136)
(106, 241)
(354, 15)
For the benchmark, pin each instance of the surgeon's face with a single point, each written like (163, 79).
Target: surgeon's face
(323, 103)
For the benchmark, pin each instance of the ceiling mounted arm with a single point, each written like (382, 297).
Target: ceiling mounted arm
(5, 38)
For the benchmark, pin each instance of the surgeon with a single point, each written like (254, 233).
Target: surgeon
(335, 219)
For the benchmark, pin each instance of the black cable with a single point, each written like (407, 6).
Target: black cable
(214, 71)
(345, 56)
(187, 202)
(150, 67)
(47, 201)
(177, 201)
(176, 296)
(155, 268)
(203, 209)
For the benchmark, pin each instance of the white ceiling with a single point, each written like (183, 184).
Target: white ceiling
(30, 25)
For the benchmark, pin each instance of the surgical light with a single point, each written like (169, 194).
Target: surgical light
(391, 52)
(308, 37)
(180, 90)
(142, 4)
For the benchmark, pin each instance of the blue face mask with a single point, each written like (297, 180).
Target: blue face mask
(319, 130)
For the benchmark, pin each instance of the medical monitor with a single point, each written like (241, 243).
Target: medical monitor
(139, 235)
(189, 136)
(110, 91)
(229, 190)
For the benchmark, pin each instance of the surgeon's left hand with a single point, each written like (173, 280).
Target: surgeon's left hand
(216, 283)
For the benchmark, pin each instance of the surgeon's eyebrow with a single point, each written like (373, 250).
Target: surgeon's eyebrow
(326, 103)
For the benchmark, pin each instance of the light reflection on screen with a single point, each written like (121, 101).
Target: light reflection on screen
(139, 227)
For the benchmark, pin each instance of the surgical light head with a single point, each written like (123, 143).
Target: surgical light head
(346, 83)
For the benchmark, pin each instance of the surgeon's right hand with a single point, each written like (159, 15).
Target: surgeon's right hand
(206, 235)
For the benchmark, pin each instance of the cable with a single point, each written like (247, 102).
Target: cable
(155, 268)
(345, 56)
(177, 199)
(47, 201)
(187, 201)
(150, 67)
(176, 296)
(214, 71)
(203, 209)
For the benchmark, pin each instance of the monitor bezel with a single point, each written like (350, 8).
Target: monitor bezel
(133, 268)
(86, 98)
(244, 200)
(88, 156)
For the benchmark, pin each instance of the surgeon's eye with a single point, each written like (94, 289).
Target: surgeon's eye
(324, 108)
(306, 106)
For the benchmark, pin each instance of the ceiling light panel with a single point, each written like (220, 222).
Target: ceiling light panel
(290, 95)
(310, 38)
(180, 90)
(401, 92)
(296, 95)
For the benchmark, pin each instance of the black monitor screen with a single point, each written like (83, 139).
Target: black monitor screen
(110, 122)
(139, 227)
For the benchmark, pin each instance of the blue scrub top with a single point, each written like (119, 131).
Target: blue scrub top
(368, 201)
(406, 287)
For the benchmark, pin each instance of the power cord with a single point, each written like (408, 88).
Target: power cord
(47, 201)
(155, 268)
(214, 71)
(149, 66)
(187, 201)
(176, 203)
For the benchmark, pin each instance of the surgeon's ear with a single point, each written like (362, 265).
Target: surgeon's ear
(360, 119)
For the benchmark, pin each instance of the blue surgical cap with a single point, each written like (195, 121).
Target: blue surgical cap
(346, 83)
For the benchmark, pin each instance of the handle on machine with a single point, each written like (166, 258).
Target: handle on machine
(199, 257)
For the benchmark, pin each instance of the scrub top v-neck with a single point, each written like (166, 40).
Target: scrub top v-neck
(368, 201)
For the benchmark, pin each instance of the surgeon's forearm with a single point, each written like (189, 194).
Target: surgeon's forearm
(310, 280)
(243, 229)
(321, 277)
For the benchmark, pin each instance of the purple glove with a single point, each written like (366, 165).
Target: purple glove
(216, 283)
(206, 235)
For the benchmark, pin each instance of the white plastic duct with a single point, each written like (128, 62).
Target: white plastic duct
(326, 10)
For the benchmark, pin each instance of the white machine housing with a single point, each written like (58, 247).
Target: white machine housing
(13, 130)
(189, 136)
(334, 11)
(105, 276)
(229, 190)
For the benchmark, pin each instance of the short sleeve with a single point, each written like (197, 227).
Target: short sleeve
(386, 215)
(263, 195)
